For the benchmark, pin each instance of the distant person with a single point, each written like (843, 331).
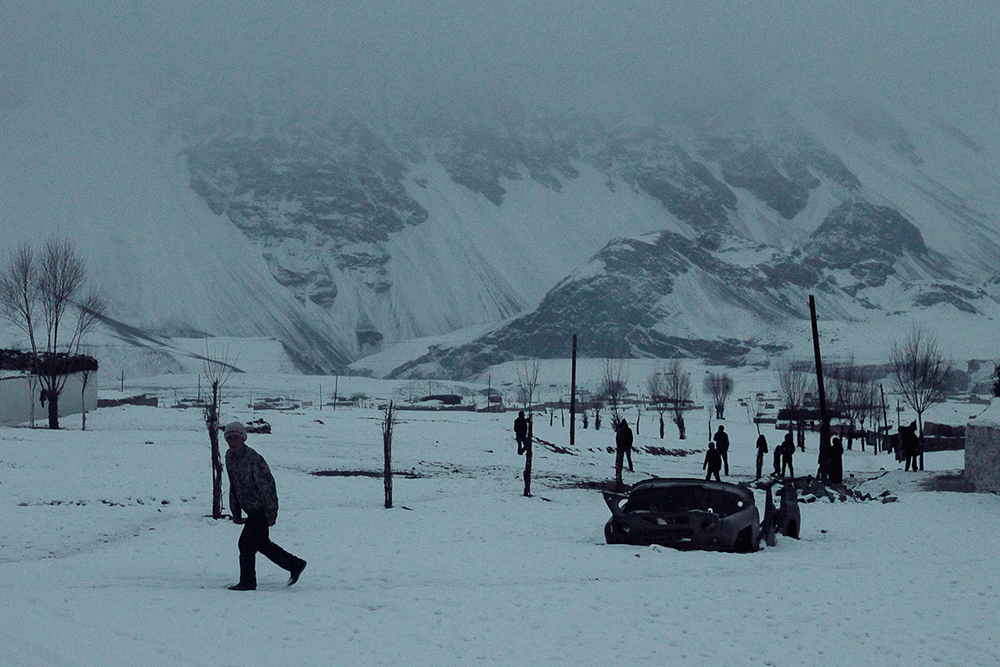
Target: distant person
(837, 461)
(761, 450)
(722, 444)
(623, 444)
(521, 432)
(713, 462)
(251, 489)
(909, 442)
(787, 451)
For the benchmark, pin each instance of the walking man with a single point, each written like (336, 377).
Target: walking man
(251, 489)
(722, 444)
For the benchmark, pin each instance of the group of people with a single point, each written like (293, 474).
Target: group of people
(717, 456)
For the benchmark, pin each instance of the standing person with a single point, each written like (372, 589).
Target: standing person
(910, 444)
(722, 444)
(623, 442)
(521, 432)
(251, 489)
(623, 448)
(761, 450)
(787, 450)
(837, 461)
(713, 462)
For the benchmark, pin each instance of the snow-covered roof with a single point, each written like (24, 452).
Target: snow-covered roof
(988, 418)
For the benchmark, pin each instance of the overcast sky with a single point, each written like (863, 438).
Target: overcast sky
(917, 51)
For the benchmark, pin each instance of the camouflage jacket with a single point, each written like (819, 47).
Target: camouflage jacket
(251, 485)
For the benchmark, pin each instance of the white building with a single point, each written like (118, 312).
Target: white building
(982, 451)
(19, 398)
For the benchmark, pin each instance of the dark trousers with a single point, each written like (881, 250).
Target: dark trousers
(522, 443)
(786, 462)
(255, 538)
(713, 471)
(760, 463)
(725, 460)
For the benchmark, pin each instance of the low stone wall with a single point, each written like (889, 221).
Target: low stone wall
(982, 455)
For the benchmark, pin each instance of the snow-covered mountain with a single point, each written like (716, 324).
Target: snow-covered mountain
(343, 234)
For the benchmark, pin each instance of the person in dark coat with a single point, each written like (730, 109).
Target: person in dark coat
(787, 450)
(252, 489)
(910, 444)
(521, 432)
(761, 450)
(836, 461)
(623, 442)
(722, 444)
(713, 462)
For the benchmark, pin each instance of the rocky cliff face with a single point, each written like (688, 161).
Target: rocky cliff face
(748, 223)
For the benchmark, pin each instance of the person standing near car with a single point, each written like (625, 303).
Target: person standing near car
(713, 462)
(521, 432)
(787, 451)
(252, 489)
(722, 444)
(761, 450)
(623, 443)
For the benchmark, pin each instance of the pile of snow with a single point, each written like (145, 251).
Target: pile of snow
(107, 555)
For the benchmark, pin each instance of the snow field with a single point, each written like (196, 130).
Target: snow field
(464, 570)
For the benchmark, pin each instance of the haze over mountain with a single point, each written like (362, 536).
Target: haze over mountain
(662, 180)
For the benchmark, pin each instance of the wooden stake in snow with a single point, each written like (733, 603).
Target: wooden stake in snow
(387, 423)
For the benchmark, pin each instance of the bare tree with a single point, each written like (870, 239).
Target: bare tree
(719, 386)
(921, 373)
(614, 386)
(217, 371)
(678, 395)
(852, 395)
(527, 380)
(388, 423)
(794, 382)
(657, 387)
(43, 295)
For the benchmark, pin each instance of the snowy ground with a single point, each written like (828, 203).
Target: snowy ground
(107, 557)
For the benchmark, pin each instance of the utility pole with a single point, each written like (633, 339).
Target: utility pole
(572, 399)
(885, 416)
(824, 427)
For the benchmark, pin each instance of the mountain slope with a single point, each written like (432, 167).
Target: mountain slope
(340, 233)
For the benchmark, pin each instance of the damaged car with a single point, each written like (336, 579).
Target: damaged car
(684, 514)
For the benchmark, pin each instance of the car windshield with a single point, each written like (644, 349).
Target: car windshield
(684, 498)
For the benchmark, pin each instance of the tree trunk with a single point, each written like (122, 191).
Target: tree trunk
(53, 399)
(213, 437)
(387, 453)
(661, 427)
(527, 461)
(83, 401)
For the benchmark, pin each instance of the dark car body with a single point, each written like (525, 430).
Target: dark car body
(684, 514)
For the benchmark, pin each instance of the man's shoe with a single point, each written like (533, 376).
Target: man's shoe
(243, 587)
(296, 573)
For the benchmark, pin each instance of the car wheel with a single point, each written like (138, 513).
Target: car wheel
(744, 541)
